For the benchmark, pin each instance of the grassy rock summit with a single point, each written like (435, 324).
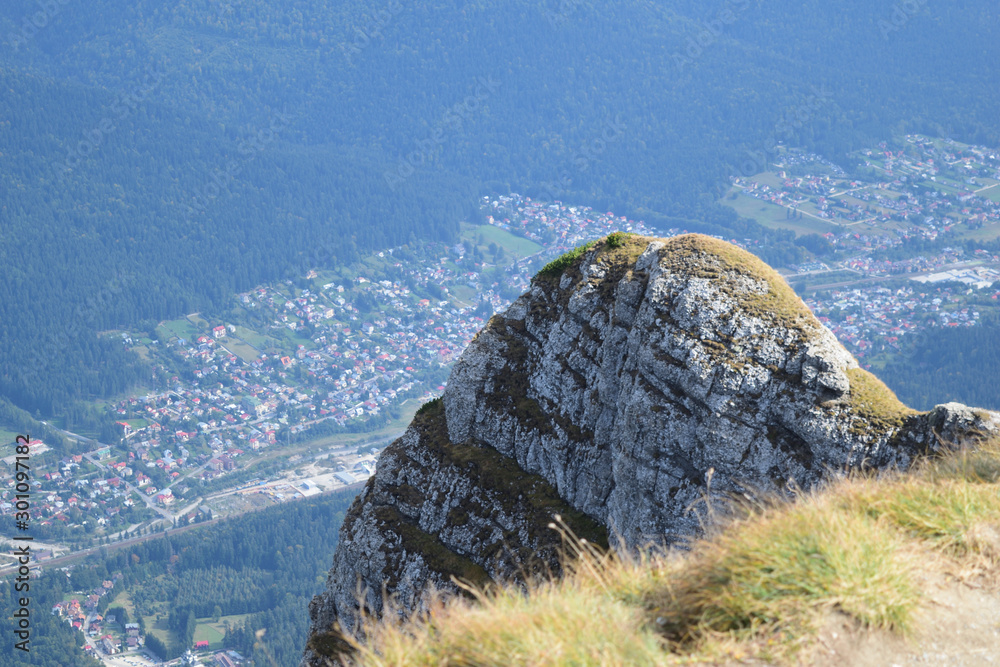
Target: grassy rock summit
(637, 380)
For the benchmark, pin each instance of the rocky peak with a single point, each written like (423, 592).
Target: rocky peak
(633, 372)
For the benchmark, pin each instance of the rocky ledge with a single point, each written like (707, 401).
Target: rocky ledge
(635, 378)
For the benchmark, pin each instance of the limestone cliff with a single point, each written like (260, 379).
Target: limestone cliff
(607, 394)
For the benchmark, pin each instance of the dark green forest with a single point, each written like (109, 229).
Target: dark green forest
(267, 564)
(950, 364)
(157, 157)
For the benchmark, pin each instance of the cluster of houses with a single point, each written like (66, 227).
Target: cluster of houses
(868, 265)
(357, 359)
(83, 616)
(555, 226)
(919, 192)
(64, 495)
(877, 319)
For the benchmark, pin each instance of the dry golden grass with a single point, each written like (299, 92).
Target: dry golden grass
(758, 588)
(874, 401)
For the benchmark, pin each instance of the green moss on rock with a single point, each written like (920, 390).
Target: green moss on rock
(428, 405)
(701, 256)
(871, 399)
(556, 267)
(696, 256)
(530, 496)
(434, 552)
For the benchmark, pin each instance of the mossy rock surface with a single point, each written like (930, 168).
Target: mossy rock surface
(695, 256)
(629, 392)
(501, 475)
(432, 550)
(875, 402)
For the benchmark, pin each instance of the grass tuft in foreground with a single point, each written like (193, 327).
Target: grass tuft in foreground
(758, 588)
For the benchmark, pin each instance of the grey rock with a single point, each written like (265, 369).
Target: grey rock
(611, 394)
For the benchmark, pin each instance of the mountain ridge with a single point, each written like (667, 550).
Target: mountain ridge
(636, 377)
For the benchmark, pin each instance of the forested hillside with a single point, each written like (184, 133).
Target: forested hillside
(263, 567)
(155, 157)
(950, 364)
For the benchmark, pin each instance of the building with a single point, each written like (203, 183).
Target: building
(345, 477)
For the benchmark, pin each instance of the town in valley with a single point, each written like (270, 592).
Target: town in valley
(294, 389)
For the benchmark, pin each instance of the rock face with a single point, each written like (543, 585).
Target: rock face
(611, 393)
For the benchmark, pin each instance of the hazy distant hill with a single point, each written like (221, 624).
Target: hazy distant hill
(231, 142)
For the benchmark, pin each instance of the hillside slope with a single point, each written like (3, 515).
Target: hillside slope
(156, 157)
(635, 378)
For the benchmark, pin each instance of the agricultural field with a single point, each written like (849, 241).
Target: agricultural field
(179, 328)
(776, 217)
(516, 245)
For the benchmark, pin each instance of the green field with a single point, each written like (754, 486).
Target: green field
(210, 632)
(774, 216)
(215, 632)
(242, 350)
(180, 328)
(7, 439)
(250, 336)
(289, 341)
(159, 629)
(407, 410)
(233, 620)
(942, 187)
(123, 600)
(200, 322)
(851, 200)
(986, 233)
(463, 293)
(768, 178)
(511, 244)
(993, 194)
